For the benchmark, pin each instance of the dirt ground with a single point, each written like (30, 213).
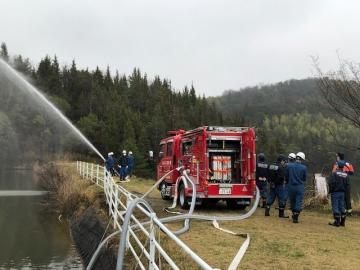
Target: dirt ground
(275, 243)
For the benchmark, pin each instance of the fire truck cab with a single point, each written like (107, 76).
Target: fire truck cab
(221, 161)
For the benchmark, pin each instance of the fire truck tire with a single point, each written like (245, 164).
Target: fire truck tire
(162, 191)
(183, 200)
(232, 204)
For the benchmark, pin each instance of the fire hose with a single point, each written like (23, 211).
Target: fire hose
(187, 217)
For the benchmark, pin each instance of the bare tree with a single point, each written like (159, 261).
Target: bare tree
(341, 89)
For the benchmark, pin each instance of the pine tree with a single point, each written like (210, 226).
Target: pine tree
(193, 97)
(4, 52)
(21, 65)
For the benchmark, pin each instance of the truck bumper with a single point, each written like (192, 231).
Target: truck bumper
(224, 191)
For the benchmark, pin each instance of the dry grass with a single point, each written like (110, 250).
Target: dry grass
(141, 185)
(275, 243)
(356, 204)
(71, 193)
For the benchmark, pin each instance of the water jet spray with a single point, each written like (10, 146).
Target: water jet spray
(23, 84)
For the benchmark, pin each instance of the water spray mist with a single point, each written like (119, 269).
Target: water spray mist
(24, 84)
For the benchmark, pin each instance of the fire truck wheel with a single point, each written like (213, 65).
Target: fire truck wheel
(183, 200)
(163, 192)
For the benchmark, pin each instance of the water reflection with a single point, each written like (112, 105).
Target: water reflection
(30, 238)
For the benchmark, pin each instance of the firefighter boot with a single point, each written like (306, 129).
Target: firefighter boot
(282, 213)
(263, 203)
(295, 217)
(336, 222)
(267, 211)
(342, 221)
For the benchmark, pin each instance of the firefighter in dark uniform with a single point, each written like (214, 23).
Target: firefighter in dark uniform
(261, 178)
(291, 159)
(338, 184)
(109, 163)
(123, 163)
(276, 180)
(349, 169)
(295, 175)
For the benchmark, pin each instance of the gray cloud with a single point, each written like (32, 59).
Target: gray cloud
(217, 45)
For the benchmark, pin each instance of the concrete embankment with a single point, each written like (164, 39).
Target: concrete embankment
(87, 232)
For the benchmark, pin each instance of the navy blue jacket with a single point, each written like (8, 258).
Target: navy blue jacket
(109, 163)
(131, 161)
(123, 161)
(261, 170)
(276, 174)
(295, 173)
(339, 181)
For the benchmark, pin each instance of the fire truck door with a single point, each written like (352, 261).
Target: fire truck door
(161, 162)
(166, 163)
(169, 156)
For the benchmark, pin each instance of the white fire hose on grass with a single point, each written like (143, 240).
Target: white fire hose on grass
(187, 217)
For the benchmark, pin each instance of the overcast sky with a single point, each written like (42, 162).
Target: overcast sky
(217, 45)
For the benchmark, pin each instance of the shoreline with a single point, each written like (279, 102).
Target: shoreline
(82, 205)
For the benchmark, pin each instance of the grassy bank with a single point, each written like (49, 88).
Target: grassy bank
(275, 243)
(82, 204)
(69, 194)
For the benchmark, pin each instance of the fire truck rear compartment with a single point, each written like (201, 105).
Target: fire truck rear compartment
(224, 161)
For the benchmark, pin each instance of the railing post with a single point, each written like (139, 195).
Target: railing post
(92, 171)
(110, 197)
(107, 190)
(77, 166)
(105, 184)
(116, 206)
(106, 177)
(87, 170)
(97, 174)
(152, 242)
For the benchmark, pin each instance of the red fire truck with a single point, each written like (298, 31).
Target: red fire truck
(221, 161)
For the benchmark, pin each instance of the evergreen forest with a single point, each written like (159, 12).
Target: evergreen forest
(119, 111)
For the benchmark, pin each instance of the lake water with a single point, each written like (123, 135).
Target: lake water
(31, 238)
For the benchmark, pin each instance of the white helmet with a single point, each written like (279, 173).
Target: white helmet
(110, 154)
(292, 156)
(300, 155)
(124, 151)
(130, 153)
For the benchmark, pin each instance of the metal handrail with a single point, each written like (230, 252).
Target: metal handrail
(114, 194)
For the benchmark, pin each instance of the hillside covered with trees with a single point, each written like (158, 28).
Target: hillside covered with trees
(292, 116)
(289, 97)
(115, 112)
(133, 112)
